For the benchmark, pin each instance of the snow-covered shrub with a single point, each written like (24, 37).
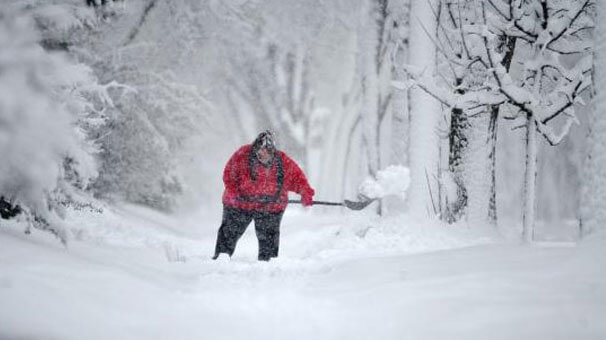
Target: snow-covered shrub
(136, 163)
(45, 110)
(147, 134)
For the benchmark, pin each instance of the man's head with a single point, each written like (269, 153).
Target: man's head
(264, 147)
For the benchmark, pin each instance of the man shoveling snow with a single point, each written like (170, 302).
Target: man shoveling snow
(257, 180)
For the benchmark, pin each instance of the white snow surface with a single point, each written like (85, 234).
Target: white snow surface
(132, 273)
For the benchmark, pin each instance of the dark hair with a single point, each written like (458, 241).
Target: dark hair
(264, 140)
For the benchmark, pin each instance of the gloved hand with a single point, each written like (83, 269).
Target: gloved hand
(307, 199)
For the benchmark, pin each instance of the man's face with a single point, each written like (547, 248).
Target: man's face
(265, 156)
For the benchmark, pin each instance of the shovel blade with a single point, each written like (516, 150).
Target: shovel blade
(353, 205)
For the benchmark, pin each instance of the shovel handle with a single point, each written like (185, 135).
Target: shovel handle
(317, 202)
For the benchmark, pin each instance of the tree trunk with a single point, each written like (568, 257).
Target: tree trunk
(425, 113)
(509, 45)
(593, 192)
(492, 162)
(400, 119)
(369, 44)
(530, 180)
(399, 125)
(346, 169)
(367, 66)
(458, 142)
(479, 169)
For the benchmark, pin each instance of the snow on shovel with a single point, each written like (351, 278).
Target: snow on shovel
(353, 205)
(392, 181)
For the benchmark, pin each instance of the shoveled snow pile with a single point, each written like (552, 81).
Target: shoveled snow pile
(359, 234)
(393, 180)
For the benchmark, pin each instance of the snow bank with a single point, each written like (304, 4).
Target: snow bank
(359, 235)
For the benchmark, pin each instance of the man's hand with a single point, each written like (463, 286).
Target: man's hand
(307, 199)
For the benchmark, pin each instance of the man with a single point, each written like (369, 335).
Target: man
(257, 180)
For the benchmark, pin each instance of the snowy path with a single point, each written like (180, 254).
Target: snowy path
(96, 291)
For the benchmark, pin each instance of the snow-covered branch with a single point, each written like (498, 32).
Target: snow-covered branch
(426, 84)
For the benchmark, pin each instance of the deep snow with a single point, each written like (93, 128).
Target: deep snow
(131, 273)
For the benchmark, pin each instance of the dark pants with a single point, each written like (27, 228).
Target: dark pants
(235, 221)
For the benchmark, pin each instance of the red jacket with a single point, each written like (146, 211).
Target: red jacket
(241, 191)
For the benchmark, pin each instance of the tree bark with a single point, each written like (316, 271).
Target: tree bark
(458, 141)
(530, 180)
(492, 161)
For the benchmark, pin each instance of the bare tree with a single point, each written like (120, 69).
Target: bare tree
(472, 133)
(541, 93)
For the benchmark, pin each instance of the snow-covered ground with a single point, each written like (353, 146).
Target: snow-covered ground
(131, 273)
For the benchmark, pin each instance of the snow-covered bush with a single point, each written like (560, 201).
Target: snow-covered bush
(160, 120)
(136, 163)
(147, 136)
(46, 107)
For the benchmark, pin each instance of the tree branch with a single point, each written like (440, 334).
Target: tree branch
(137, 28)
(572, 20)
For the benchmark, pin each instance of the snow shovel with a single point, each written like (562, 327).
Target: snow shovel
(353, 205)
